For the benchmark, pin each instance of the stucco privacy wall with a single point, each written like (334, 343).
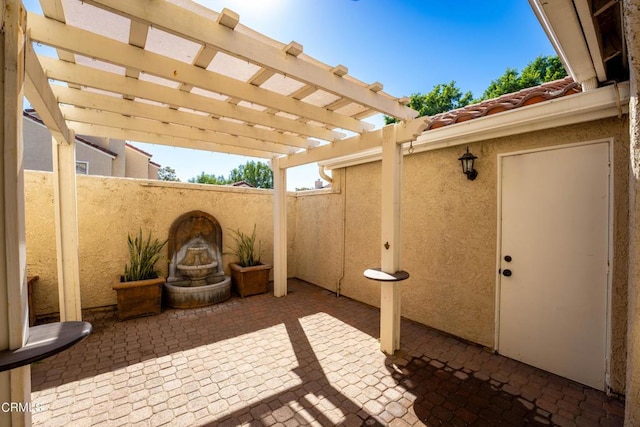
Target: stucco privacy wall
(109, 208)
(449, 234)
(319, 235)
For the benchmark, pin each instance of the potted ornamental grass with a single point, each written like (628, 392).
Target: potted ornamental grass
(249, 275)
(139, 291)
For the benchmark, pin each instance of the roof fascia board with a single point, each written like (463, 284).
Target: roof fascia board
(187, 24)
(560, 21)
(596, 104)
(80, 141)
(86, 43)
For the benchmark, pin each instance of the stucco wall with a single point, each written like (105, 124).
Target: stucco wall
(137, 164)
(319, 235)
(109, 208)
(449, 234)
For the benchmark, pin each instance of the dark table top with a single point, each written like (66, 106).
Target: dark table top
(45, 341)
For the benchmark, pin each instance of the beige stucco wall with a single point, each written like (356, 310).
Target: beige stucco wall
(136, 164)
(319, 235)
(109, 208)
(449, 234)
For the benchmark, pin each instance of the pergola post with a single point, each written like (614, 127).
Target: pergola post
(391, 192)
(66, 221)
(632, 395)
(15, 385)
(279, 229)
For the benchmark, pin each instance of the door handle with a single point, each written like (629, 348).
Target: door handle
(506, 273)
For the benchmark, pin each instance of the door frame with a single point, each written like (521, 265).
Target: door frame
(608, 331)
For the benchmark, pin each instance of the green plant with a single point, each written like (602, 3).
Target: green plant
(245, 248)
(143, 255)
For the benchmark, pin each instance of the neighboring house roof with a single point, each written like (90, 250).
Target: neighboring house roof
(138, 150)
(31, 114)
(242, 184)
(155, 164)
(510, 101)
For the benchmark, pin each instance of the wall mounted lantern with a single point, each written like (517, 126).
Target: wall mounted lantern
(467, 160)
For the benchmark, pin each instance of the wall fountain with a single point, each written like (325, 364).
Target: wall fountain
(196, 277)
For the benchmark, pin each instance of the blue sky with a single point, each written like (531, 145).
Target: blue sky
(408, 46)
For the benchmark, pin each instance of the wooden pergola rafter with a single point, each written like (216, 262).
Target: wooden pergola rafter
(175, 73)
(287, 98)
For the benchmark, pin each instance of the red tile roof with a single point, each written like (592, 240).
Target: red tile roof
(510, 101)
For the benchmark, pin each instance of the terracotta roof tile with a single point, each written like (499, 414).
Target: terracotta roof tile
(510, 101)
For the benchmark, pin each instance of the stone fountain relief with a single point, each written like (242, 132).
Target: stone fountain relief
(196, 277)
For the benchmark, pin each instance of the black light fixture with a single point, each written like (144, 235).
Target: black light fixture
(467, 160)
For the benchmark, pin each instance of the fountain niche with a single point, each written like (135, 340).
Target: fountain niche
(196, 277)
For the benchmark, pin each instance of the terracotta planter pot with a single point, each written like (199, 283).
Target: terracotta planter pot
(250, 280)
(139, 298)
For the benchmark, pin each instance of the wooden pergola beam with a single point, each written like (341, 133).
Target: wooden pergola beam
(187, 24)
(103, 80)
(58, 35)
(39, 93)
(160, 139)
(85, 99)
(152, 126)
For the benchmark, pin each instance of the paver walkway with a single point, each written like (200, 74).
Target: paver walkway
(306, 359)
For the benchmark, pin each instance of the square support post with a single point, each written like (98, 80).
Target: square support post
(279, 229)
(391, 202)
(632, 393)
(66, 220)
(15, 385)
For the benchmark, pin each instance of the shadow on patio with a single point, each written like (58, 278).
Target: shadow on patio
(307, 359)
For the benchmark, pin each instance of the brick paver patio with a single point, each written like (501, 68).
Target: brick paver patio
(306, 359)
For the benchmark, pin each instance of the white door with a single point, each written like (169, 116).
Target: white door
(554, 260)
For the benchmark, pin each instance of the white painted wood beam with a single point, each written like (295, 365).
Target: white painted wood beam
(345, 147)
(39, 93)
(15, 385)
(86, 76)
(56, 34)
(390, 243)
(66, 221)
(279, 229)
(137, 37)
(53, 9)
(112, 104)
(156, 138)
(192, 26)
(152, 126)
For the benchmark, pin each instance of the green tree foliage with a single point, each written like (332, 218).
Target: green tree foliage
(205, 178)
(257, 174)
(167, 174)
(447, 97)
(541, 70)
(443, 97)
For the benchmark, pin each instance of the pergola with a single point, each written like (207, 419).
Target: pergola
(175, 73)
